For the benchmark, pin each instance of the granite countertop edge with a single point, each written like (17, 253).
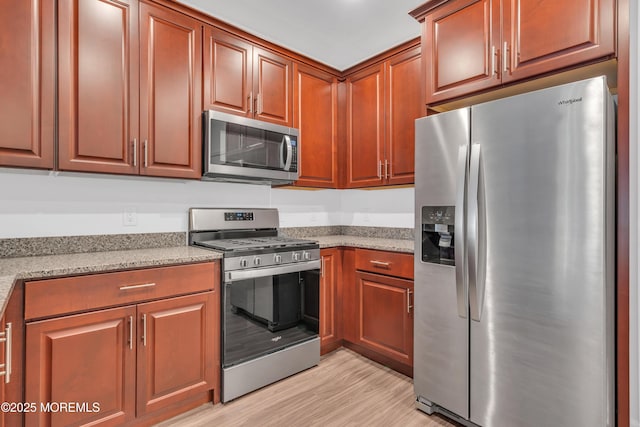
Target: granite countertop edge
(49, 266)
(383, 244)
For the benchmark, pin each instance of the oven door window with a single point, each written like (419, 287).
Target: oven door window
(267, 314)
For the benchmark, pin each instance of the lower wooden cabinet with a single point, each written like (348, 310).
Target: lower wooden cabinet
(378, 306)
(176, 350)
(121, 363)
(330, 297)
(151, 357)
(88, 358)
(385, 314)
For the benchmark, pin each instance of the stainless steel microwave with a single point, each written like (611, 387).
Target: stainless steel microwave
(246, 150)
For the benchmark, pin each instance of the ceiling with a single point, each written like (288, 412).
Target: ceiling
(338, 33)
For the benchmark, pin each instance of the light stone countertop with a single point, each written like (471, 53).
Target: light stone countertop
(392, 245)
(41, 267)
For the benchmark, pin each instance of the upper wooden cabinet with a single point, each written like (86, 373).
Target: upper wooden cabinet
(244, 79)
(472, 45)
(170, 93)
(97, 85)
(129, 89)
(27, 83)
(315, 115)
(383, 102)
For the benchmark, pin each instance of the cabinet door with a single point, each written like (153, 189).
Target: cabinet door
(545, 35)
(461, 46)
(98, 85)
(405, 103)
(365, 128)
(177, 344)
(386, 315)
(330, 310)
(227, 73)
(27, 83)
(170, 93)
(272, 86)
(87, 358)
(316, 117)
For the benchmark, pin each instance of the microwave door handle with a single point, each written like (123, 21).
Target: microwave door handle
(286, 161)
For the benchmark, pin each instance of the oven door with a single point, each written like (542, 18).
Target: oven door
(269, 309)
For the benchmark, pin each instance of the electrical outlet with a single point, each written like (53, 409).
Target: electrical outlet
(130, 217)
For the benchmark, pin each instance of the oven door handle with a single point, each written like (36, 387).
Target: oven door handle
(254, 273)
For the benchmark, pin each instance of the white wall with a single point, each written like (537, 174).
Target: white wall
(38, 203)
(634, 141)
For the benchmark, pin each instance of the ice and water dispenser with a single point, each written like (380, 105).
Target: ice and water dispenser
(438, 234)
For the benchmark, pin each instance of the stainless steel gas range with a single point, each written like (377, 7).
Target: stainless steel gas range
(270, 296)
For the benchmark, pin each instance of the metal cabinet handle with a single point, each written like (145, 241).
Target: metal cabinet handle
(505, 57)
(250, 102)
(380, 263)
(144, 330)
(409, 306)
(146, 153)
(259, 101)
(130, 332)
(386, 169)
(135, 151)
(494, 70)
(132, 287)
(379, 169)
(5, 337)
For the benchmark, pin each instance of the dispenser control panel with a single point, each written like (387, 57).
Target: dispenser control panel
(438, 234)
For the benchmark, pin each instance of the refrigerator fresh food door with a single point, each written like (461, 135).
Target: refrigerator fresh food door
(441, 330)
(541, 299)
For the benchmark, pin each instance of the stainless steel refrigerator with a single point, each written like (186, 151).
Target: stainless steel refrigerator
(514, 260)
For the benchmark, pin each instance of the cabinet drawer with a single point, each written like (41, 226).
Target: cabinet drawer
(52, 297)
(388, 263)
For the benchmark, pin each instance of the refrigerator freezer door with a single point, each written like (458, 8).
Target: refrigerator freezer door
(441, 331)
(541, 352)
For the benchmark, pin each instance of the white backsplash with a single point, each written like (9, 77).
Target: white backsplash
(41, 203)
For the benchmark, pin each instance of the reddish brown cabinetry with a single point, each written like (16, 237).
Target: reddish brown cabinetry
(84, 358)
(330, 297)
(138, 361)
(170, 93)
(378, 308)
(177, 358)
(315, 115)
(27, 83)
(129, 89)
(244, 79)
(97, 85)
(471, 45)
(382, 103)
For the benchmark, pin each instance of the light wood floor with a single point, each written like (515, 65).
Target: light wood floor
(345, 389)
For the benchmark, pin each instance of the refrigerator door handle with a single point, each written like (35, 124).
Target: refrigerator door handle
(474, 236)
(459, 251)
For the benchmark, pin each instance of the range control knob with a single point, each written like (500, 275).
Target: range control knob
(306, 256)
(296, 256)
(243, 263)
(277, 259)
(257, 261)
